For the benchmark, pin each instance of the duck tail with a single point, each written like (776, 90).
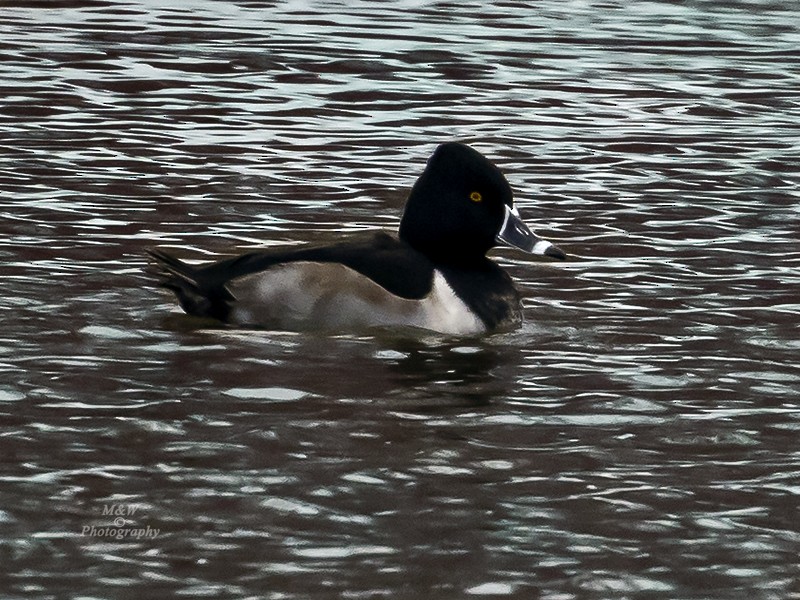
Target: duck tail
(187, 282)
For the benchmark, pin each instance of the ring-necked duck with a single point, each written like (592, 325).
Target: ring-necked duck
(434, 275)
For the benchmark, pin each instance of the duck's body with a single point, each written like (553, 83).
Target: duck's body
(435, 275)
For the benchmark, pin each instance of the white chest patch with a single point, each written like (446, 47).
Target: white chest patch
(442, 306)
(311, 295)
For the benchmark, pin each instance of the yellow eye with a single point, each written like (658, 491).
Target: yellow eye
(475, 196)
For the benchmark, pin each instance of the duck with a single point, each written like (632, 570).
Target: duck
(433, 275)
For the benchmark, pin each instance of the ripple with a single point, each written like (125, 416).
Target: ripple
(269, 393)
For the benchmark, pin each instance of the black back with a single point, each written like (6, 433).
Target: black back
(389, 262)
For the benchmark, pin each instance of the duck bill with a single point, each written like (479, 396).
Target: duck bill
(515, 233)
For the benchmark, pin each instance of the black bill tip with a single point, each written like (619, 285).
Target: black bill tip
(555, 252)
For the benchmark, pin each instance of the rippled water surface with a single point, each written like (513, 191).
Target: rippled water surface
(637, 437)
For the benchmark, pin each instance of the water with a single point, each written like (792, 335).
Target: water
(635, 438)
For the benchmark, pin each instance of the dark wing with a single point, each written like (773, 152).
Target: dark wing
(389, 262)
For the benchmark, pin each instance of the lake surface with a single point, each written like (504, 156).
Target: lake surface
(637, 437)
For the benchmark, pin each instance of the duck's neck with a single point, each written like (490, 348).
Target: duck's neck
(448, 252)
